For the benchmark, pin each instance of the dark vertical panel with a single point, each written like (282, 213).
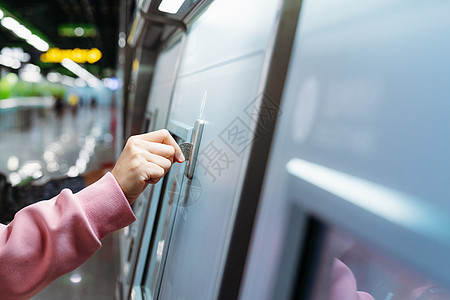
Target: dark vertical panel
(254, 176)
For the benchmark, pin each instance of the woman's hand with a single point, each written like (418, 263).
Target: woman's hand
(145, 159)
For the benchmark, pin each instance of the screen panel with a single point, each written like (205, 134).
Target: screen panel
(131, 239)
(167, 203)
(222, 80)
(202, 225)
(157, 108)
(222, 73)
(162, 235)
(229, 30)
(164, 80)
(350, 268)
(364, 97)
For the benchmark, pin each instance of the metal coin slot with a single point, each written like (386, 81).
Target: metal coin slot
(186, 148)
(190, 150)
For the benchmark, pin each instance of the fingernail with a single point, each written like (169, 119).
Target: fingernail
(179, 156)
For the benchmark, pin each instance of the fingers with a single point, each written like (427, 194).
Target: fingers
(155, 168)
(154, 172)
(163, 150)
(145, 159)
(142, 152)
(164, 137)
(160, 161)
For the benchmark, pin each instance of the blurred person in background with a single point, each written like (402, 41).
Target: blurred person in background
(73, 103)
(59, 106)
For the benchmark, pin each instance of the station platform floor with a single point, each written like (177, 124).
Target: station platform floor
(52, 147)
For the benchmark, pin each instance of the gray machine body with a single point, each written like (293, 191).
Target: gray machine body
(362, 146)
(216, 74)
(358, 160)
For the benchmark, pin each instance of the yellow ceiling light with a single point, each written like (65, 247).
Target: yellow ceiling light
(94, 55)
(56, 55)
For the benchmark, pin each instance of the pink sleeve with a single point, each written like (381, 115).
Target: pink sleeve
(53, 237)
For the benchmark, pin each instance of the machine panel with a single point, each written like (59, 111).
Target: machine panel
(166, 70)
(203, 223)
(136, 238)
(222, 73)
(362, 143)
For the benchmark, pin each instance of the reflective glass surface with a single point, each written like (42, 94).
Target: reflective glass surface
(351, 269)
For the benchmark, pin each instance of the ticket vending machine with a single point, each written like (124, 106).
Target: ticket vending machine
(355, 198)
(224, 100)
(135, 239)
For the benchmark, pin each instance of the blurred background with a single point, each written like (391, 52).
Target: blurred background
(58, 110)
(57, 85)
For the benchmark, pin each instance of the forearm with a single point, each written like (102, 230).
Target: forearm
(51, 238)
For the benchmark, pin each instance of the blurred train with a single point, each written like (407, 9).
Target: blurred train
(319, 163)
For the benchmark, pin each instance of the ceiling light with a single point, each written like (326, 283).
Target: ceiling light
(30, 73)
(16, 53)
(1, 14)
(38, 43)
(54, 77)
(56, 55)
(9, 62)
(170, 6)
(79, 31)
(111, 83)
(15, 64)
(80, 82)
(10, 23)
(67, 80)
(23, 32)
(91, 80)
